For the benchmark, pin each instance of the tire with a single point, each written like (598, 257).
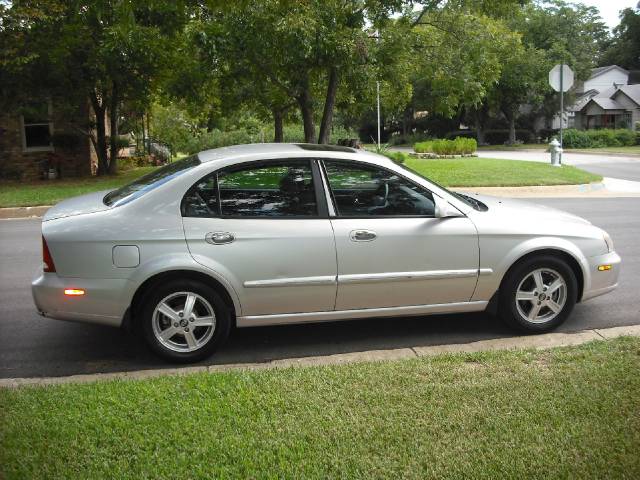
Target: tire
(173, 336)
(554, 303)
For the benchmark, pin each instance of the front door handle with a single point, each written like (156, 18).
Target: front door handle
(219, 238)
(362, 235)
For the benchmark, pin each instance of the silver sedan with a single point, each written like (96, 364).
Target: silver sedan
(270, 234)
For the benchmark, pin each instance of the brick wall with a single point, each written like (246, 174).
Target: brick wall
(27, 166)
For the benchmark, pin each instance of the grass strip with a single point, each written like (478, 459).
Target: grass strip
(564, 413)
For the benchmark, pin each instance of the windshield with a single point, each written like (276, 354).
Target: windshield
(150, 181)
(472, 202)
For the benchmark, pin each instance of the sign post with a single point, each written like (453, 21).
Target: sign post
(561, 80)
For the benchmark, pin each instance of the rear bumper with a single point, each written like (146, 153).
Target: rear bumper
(605, 281)
(105, 301)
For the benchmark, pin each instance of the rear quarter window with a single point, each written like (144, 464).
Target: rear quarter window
(150, 181)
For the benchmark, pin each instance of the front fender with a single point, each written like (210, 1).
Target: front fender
(489, 284)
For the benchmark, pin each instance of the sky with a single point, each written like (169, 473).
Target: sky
(609, 9)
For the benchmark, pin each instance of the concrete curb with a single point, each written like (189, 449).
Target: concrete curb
(23, 212)
(548, 340)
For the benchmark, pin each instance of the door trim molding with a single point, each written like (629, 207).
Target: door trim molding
(279, 319)
(292, 282)
(406, 276)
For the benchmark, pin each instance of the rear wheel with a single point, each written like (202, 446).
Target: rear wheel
(185, 321)
(538, 294)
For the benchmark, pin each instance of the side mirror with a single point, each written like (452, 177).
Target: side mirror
(445, 210)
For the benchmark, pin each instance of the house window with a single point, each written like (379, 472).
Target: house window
(37, 127)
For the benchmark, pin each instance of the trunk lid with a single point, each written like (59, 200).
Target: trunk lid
(89, 203)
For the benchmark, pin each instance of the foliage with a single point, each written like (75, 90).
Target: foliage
(109, 53)
(624, 48)
(458, 146)
(573, 138)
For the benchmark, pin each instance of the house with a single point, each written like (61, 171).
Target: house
(617, 107)
(39, 137)
(607, 99)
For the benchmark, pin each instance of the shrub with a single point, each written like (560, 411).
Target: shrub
(459, 146)
(494, 137)
(573, 138)
(397, 157)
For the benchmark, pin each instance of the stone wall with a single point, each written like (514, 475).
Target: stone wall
(16, 163)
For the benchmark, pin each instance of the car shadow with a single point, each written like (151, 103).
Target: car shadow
(71, 348)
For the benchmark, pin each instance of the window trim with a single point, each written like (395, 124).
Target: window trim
(337, 216)
(23, 132)
(321, 202)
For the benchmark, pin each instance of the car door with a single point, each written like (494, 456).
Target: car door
(263, 226)
(391, 249)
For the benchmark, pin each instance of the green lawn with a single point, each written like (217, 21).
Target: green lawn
(489, 172)
(562, 413)
(19, 194)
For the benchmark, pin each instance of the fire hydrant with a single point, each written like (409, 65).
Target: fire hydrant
(556, 152)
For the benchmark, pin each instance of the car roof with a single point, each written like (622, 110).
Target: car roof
(270, 149)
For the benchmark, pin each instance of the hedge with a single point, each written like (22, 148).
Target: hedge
(573, 138)
(459, 146)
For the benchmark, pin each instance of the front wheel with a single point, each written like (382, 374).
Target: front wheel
(185, 321)
(539, 294)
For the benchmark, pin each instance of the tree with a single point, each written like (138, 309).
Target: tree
(106, 51)
(624, 48)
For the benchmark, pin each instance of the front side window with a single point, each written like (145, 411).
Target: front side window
(275, 189)
(366, 190)
(37, 127)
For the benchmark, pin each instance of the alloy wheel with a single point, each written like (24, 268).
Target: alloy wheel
(541, 295)
(183, 321)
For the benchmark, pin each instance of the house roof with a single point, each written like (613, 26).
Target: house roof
(596, 72)
(631, 91)
(605, 103)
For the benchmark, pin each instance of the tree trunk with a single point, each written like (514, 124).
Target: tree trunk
(278, 122)
(512, 128)
(100, 143)
(113, 127)
(329, 104)
(479, 118)
(305, 101)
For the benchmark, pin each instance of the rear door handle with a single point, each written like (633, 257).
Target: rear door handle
(219, 238)
(362, 235)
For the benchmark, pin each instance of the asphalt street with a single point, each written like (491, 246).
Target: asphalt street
(33, 346)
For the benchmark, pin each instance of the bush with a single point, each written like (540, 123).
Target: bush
(459, 146)
(573, 138)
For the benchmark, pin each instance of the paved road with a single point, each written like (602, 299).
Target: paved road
(34, 346)
(614, 166)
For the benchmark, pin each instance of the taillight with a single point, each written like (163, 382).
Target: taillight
(47, 261)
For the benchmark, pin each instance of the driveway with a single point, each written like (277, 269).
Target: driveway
(34, 346)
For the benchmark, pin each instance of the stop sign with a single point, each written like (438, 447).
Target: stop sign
(567, 78)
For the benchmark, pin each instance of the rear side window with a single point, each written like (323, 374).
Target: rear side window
(150, 181)
(274, 189)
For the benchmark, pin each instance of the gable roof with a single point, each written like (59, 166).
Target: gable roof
(606, 103)
(631, 91)
(596, 72)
